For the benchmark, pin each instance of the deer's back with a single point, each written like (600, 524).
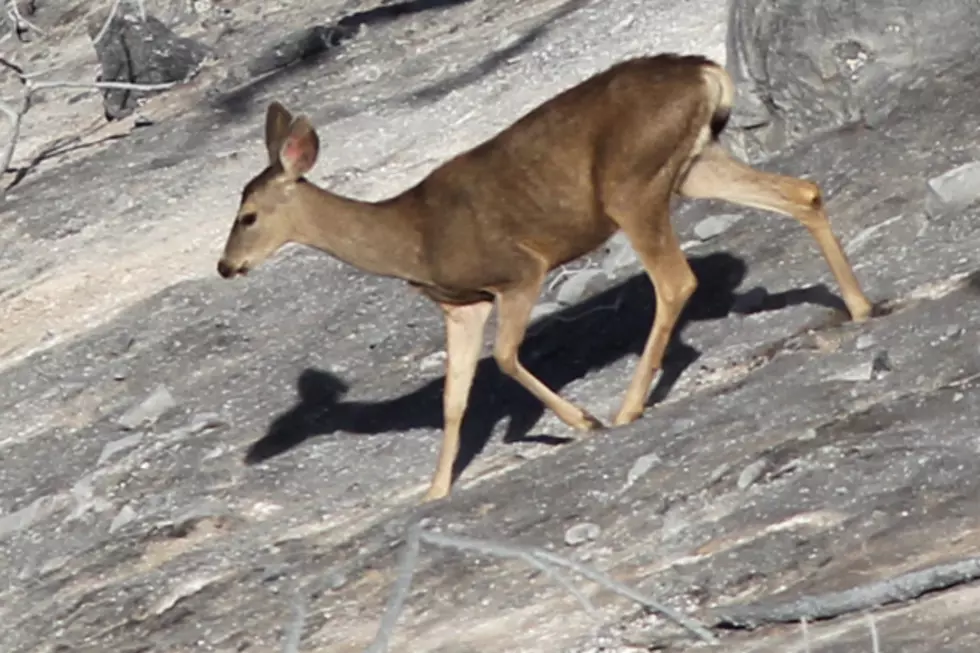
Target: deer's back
(543, 184)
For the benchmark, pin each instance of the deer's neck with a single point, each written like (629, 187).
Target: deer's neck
(381, 238)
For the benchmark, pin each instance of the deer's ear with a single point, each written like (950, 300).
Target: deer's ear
(277, 121)
(299, 149)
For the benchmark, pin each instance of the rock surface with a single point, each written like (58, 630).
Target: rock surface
(134, 50)
(306, 417)
(809, 65)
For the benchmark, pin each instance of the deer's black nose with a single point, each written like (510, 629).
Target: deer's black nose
(225, 270)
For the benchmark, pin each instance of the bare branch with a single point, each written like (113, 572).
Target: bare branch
(863, 597)
(510, 551)
(14, 116)
(396, 602)
(14, 12)
(875, 644)
(106, 85)
(6, 63)
(108, 19)
(559, 578)
(593, 574)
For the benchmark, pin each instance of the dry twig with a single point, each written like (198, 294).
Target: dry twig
(15, 112)
(545, 561)
(864, 597)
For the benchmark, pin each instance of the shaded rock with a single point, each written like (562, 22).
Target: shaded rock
(580, 285)
(715, 225)
(137, 52)
(750, 301)
(808, 65)
(39, 509)
(298, 45)
(582, 533)
(149, 411)
(752, 473)
(953, 190)
(114, 447)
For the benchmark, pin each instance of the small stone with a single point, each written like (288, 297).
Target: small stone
(205, 421)
(752, 473)
(642, 465)
(807, 435)
(620, 255)
(718, 472)
(114, 447)
(433, 361)
(715, 225)
(580, 285)
(119, 374)
(581, 533)
(124, 516)
(543, 310)
(864, 341)
(855, 373)
(335, 580)
(953, 190)
(149, 411)
(953, 331)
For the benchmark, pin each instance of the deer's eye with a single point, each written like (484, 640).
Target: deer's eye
(247, 220)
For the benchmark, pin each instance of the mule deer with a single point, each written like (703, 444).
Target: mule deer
(487, 226)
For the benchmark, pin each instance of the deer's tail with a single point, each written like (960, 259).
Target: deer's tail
(723, 91)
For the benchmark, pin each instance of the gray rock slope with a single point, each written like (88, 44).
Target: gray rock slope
(185, 474)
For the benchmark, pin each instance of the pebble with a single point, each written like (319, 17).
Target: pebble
(581, 533)
(865, 341)
(149, 411)
(861, 372)
(752, 473)
(620, 255)
(953, 190)
(718, 473)
(715, 225)
(642, 465)
(579, 285)
(123, 517)
(114, 447)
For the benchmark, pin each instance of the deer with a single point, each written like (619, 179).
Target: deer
(484, 229)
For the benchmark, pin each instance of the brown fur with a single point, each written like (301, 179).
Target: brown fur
(488, 225)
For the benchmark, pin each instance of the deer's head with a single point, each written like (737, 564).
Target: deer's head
(264, 222)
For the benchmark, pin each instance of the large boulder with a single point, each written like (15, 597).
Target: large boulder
(810, 65)
(136, 51)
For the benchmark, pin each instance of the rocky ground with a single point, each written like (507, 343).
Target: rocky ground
(187, 461)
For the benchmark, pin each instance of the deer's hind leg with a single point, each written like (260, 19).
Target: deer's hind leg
(715, 174)
(514, 304)
(658, 248)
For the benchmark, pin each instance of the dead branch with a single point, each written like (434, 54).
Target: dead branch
(15, 114)
(18, 22)
(545, 561)
(863, 597)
